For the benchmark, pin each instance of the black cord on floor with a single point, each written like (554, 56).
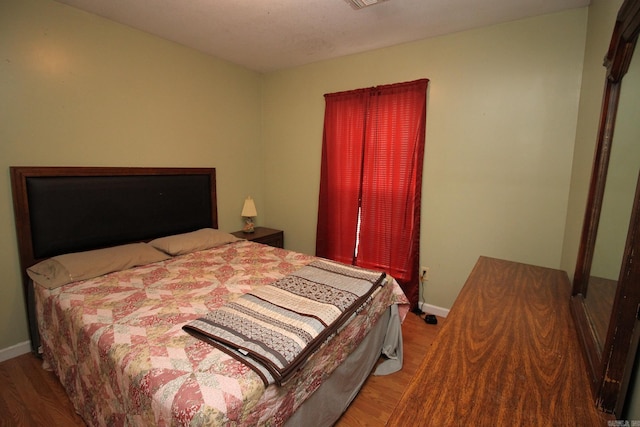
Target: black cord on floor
(428, 318)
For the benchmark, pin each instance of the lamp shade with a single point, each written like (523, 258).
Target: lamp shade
(249, 208)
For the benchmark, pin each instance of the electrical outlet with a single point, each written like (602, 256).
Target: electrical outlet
(424, 274)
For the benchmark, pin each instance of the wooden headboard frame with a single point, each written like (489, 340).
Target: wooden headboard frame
(70, 209)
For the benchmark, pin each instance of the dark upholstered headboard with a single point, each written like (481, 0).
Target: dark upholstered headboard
(70, 209)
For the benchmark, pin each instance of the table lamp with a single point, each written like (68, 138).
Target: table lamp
(249, 212)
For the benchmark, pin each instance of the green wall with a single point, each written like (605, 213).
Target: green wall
(501, 119)
(79, 90)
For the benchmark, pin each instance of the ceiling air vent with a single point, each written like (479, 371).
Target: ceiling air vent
(359, 4)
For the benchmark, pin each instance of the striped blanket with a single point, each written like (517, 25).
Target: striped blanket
(276, 327)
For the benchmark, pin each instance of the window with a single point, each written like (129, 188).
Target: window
(371, 180)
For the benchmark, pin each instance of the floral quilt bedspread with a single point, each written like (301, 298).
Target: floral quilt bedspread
(116, 342)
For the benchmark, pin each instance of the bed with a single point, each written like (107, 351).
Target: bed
(117, 337)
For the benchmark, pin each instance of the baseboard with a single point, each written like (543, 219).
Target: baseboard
(434, 309)
(15, 351)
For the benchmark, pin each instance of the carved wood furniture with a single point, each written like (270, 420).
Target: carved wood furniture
(610, 342)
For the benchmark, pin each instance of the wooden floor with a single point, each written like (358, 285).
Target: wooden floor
(33, 397)
(379, 395)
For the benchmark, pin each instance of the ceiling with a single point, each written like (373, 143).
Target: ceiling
(268, 35)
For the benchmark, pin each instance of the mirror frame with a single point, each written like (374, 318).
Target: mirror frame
(610, 368)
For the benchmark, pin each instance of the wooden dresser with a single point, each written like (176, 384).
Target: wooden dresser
(507, 354)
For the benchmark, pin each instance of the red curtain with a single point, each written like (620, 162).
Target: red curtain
(340, 175)
(373, 149)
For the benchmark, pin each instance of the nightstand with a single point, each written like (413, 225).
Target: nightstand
(268, 236)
